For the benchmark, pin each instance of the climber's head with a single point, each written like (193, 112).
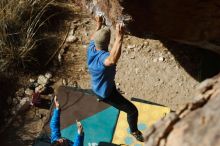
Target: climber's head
(102, 38)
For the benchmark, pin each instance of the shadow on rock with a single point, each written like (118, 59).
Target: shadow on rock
(199, 63)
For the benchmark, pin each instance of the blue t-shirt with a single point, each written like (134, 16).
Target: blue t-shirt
(102, 76)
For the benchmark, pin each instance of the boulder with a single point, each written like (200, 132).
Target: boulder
(190, 21)
(199, 127)
(196, 123)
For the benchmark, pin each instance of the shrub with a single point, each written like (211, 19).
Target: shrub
(23, 29)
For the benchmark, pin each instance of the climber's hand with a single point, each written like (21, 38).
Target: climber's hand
(119, 30)
(56, 102)
(98, 19)
(79, 127)
(99, 22)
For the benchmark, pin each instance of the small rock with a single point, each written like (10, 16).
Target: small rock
(40, 89)
(148, 49)
(142, 46)
(74, 84)
(131, 46)
(19, 98)
(42, 80)
(123, 51)
(172, 58)
(161, 82)
(137, 49)
(161, 59)
(127, 37)
(86, 22)
(75, 21)
(127, 52)
(20, 92)
(155, 60)
(193, 86)
(59, 58)
(86, 34)
(72, 29)
(64, 82)
(39, 115)
(77, 54)
(62, 51)
(29, 92)
(15, 101)
(31, 80)
(72, 55)
(80, 70)
(13, 112)
(48, 75)
(23, 105)
(117, 84)
(136, 70)
(132, 57)
(71, 39)
(162, 142)
(146, 43)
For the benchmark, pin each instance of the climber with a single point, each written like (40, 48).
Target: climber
(102, 68)
(56, 139)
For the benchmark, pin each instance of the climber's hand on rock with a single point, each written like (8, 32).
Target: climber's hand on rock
(119, 31)
(99, 22)
(56, 102)
(98, 19)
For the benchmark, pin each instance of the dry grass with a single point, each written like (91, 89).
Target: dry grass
(30, 32)
(22, 29)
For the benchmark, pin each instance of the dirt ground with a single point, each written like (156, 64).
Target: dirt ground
(163, 72)
(147, 69)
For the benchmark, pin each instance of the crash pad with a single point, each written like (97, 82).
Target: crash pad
(98, 119)
(149, 113)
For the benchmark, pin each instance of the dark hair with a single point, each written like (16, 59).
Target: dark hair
(56, 143)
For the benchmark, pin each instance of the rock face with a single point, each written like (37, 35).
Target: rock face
(197, 123)
(190, 21)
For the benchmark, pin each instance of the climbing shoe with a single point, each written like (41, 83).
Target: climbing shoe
(138, 135)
